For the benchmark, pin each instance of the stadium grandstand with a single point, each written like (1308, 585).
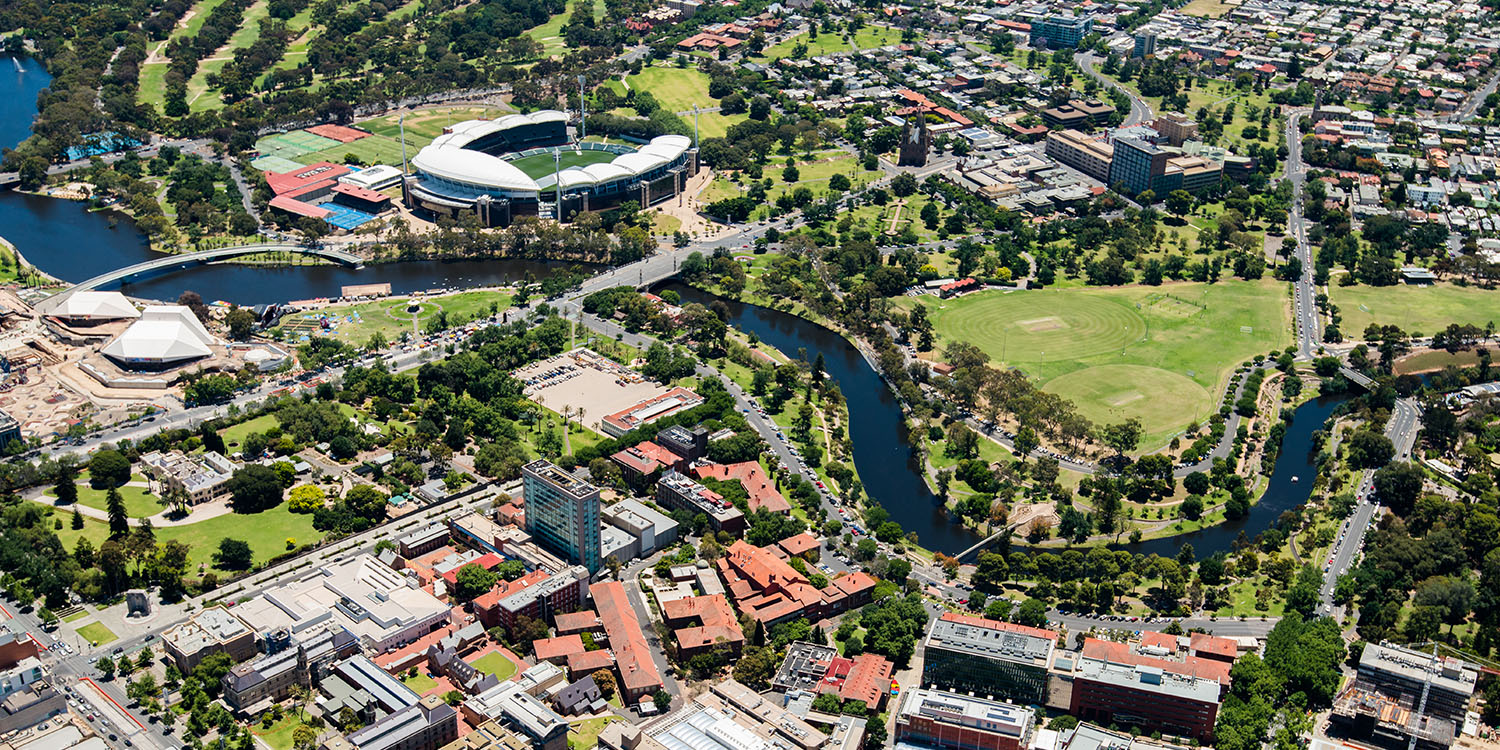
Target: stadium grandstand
(525, 165)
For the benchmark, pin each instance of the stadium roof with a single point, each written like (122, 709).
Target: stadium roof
(96, 306)
(165, 333)
(471, 167)
(448, 157)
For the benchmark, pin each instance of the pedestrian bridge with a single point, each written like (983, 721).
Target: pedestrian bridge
(185, 260)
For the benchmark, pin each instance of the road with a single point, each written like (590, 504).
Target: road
(1304, 297)
(1140, 111)
(1402, 429)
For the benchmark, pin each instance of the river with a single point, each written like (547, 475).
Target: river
(66, 240)
(893, 477)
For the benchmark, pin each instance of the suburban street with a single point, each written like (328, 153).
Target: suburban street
(1402, 429)
(1140, 111)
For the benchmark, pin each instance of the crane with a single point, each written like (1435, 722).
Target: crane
(1422, 704)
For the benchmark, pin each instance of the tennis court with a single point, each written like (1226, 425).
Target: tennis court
(277, 164)
(344, 217)
(293, 144)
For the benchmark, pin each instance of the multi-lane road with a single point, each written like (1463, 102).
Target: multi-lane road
(1402, 429)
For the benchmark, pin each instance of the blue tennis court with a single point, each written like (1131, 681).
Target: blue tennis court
(344, 217)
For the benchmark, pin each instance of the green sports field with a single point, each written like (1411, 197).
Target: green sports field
(1161, 354)
(541, 165)
(1417, 309)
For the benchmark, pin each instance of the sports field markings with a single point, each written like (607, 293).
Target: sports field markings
(1038, 325)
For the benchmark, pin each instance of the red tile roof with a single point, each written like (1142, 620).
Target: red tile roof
(561, 647)
(1213, 644)
(800, 544)
(575, 622)
(293, 206)
(1122, 653)
(868, 679)
(590, 661)
(763, 493)
(716, 618)
(490, 598)
(632, 655)
(286, 182)
(364, 194)
(1009, 627)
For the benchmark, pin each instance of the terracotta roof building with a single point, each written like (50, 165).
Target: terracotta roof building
(703, 623)
(770, 590)
(762, 489)
(638, 675)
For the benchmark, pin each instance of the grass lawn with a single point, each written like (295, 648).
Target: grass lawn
(355, 323)
(677, 89)
(813, 174)
(97, 634)
(279, 736)
(1161, 354)
(496, 664)
(542, 165)
(235, 435)
(138, 502)
(825, 44)
(421, 683)
(549, 34)
(425, 125)
(1417, 309)
(1209, 8)
(1437, 359)
(585, 734)
(266, 532)
(76, 616)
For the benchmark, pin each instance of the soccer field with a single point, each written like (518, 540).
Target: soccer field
(1161, 354)
(541, 165)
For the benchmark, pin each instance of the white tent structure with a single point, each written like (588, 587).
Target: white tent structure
(96, 306)
(165, 335)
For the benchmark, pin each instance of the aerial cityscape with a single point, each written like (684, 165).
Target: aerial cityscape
(749, 375)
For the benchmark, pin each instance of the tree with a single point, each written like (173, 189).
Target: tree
(306, 498)
(1123, 437)
(1369, 449)
(473, 580)
(119, 523)
(605, 680)
(905, 184)
(77, 519)
(1192, 507)
(1398, 485)
(1196, 483)
(233, 554)
(662, 699)
(66, 487)
(241, 323)
(304, 737)
(1179, 202)
(108, 468)
(254, 488)
(106, 667)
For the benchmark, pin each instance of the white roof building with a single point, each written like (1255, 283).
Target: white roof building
(92, 306)
(164, 334)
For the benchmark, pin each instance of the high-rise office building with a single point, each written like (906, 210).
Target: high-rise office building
(982, 657)
(1145, 44)
(1137, 166)
(1060, 31)
(562, 513)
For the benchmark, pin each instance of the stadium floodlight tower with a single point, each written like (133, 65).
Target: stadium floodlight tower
(557, 213)
(583, 127)
(695, 124)
(401, 122)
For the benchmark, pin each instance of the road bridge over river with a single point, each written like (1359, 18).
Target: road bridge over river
(174, 262)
